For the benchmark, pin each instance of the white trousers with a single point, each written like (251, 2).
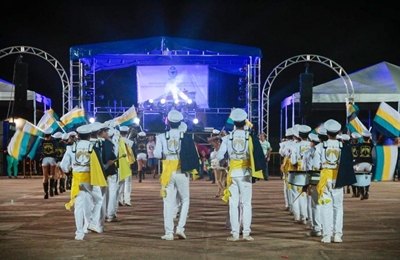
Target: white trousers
(285, 193)
(316, 210)
(82, 212)
(98, 216)
(332, 212)
(125, 190)
(178, 185)
(111, 196)
(241, 192)
(299, 203)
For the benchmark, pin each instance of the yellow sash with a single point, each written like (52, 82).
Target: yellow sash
(96, 172)
(325, 176)
(169, 166)
(233, 164)
(125, 162)
(78, 178)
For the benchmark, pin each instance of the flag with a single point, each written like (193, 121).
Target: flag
(387, 121)
(73, 118)
(354, 123)
(48, 121)
(24, 140)
(386, 159)
(126, 119)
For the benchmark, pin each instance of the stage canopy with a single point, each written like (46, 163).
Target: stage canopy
(7, 95)
(374, 84)
(181, 71)
(229, 58)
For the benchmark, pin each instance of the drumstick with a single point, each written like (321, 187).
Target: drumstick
(113, 161)
(297, 197)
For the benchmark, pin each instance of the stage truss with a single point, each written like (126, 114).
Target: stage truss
(294, 60)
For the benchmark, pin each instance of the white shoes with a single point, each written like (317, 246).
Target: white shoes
(248, 238)
(233, 238)
(79, 236)
(112, 219)
(337, 239)
(95, 229)
(168, 237)
(326, 239)
(181, 234)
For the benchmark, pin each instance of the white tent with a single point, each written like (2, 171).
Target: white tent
(377, 83)
(7, 94)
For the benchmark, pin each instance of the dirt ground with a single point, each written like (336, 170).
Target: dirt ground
(34, 228)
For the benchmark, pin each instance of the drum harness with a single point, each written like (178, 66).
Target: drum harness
(173, 150)
(80, 163)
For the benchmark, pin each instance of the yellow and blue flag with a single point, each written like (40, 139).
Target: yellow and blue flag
(126, 119)
(386, 159)
(48, 121)
(73, 118)
(354, 123)
(387, 121)
(24, 140)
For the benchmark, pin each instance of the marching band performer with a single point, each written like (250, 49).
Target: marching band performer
(124, 170)
(326, 159)
(283, 151)
(47, 155)
(246, 159)
(296, 157)
(179, 157)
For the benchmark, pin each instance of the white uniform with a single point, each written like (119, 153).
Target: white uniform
(168, 147)
(125, 186)
(327, 156)
(300, 198)
(98, 210)
(77, 157)
(236, 144)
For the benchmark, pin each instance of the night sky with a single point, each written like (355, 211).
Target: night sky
(355, 34)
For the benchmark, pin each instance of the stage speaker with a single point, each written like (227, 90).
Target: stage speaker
(20, 81)
(306, 81)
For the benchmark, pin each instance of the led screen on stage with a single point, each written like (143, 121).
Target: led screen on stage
(173, 82)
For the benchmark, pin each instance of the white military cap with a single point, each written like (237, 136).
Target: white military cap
(72, 133)
(96, 126)
(183, 127)
(216, 131)
(313, 137)
(174, 116)
(339, 137)
(305, 129)
(124, 128)
(332, 126)
(345, 137)
(57, 135)
(141, 133)
(65, 136)
(366, 133)
(238, 115)
(355, 135)
(84, 129)
(289, 131)
(48, 131)
(321, 130)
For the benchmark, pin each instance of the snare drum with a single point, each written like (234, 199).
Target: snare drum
(363, 179)
(314, 177)
(298, 178)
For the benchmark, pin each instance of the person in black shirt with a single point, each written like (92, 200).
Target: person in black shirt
(48, 157)
(141, 152)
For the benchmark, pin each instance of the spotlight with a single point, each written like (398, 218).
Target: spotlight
(92, 120)
(151, 101)
(189, 101)
(195, 121)
(162, 101)
(136, 120)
